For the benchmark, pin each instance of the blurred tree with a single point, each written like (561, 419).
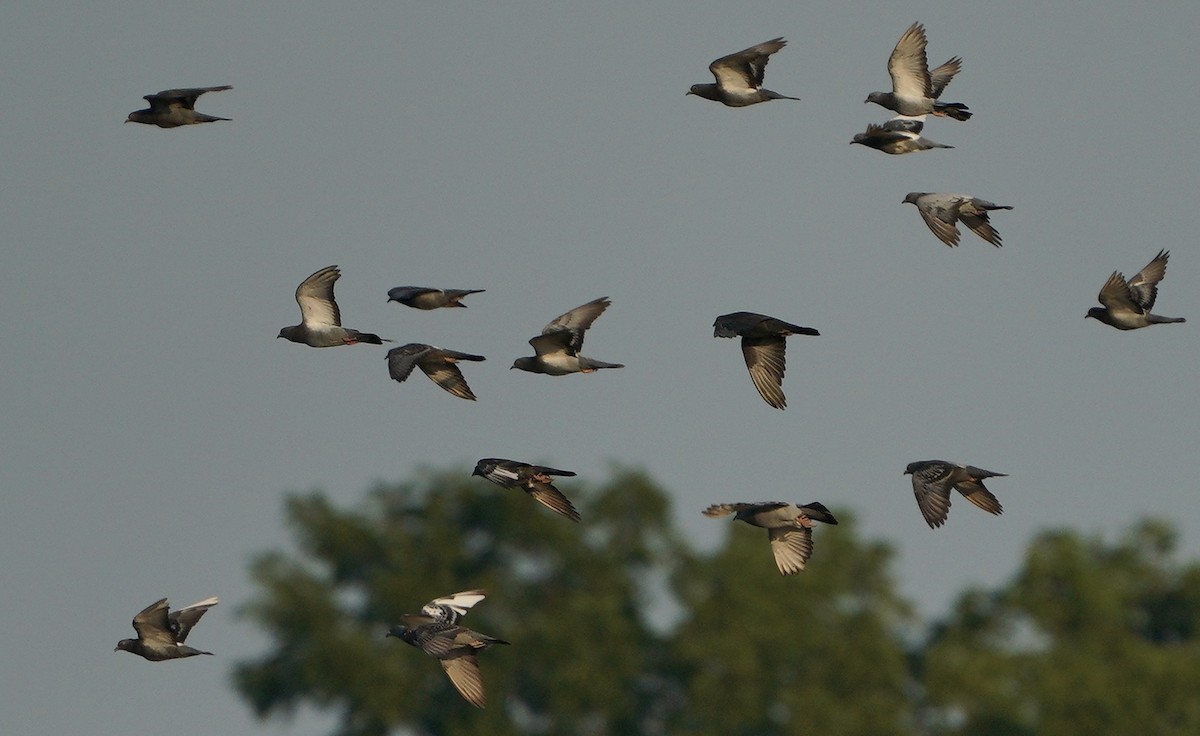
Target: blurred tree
(1087, 638)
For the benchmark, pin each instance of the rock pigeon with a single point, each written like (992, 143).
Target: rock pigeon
(941, 210)
(933, 479)
(789, 527)
(763, 348)
(435, 362)
(172, 108)
(740, 77)
(1127, 304)
(420, 297)
(533, 479)
(436, 632)
(161, 634)
(557, 348)
(896, 136)
(915, 90)
(321, 321)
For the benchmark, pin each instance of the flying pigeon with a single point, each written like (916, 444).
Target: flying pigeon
(533, 479)
(763, 348)
(789, 527)
(896, 136)
(436, 632)
(1127, 304)
(321, 321)
(420, 297)
(941, 210)
(435, 362)
(172, 108)
(160, 635)
(557, 348)
(915, 90)
(740, 77)
(933, 479)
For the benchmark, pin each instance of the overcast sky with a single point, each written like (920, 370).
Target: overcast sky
(545, 152)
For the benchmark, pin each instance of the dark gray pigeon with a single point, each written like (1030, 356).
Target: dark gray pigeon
(420, 297)
(740, 77)
(763, 348)
(160, 635)
(933, 479)
(897, 136)
(915, 90)
(533, 479)
(172, 108)
(321, 320)
(557, 348)
(435, 362)
(436, 632)
(1127, 304)
(789, 527)
(941, 210)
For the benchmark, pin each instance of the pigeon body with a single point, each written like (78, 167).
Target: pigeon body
(897, 136)
(740, 77)
(557, 348)
(436, 632)
(419, 297)
(161, 634)
(915, 90)
(172, 108)
(763, 347)
(437, 363)
(1127, 304)
(789, 527)
(933, 479)
(533, 479)
(941, 210)
(321, 320)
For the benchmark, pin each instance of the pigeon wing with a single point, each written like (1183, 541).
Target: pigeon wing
(981, 226)
(449, 609)
(1116, 295)
(185, 97)
(553, 499)
(744, 71)
(403, 359)
(577, 321)
(931, 486)
(153, 626)
(439, 366)
(940, 218)
(724, 509)
(182, 621)
(940, 78)
(463, 670)
(908, 66)
(1144, 287)
(791, 547)
(562, 341)
(315, 297)
(765, 360)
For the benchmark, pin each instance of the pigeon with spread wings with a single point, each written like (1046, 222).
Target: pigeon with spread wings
(535, 480)
(941, 210)
(740, 77)
(932, 481)
(763, 347)
(161, 633)
(915, 89)
(321, 320)
(437, 363)
(789, 526)
(172, 108)
(557, 348)
(1127, 304)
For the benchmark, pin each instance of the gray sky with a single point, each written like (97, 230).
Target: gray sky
(546, 152)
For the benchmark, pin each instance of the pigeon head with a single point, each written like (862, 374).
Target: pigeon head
(127, 645)
(911, 197)
(525, 364)
(137, 116)
(912, 468)
(707, 91)
(288, 332)
(1095, 313)
(879, 98)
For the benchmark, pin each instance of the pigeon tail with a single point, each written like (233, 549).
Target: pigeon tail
(956, 110)
(1155, 319)
(368, 337)
(771, 95)
(587, 364)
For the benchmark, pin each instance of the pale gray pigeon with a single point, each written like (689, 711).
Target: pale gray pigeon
(557, 348)
(763, 347)
(533, 479)
(897, 136)
(933, 479)
(420, 297)
(941, 210)
(321, 321)
(160, 635)
(437, 363)
(789, 527)
(436, 632)
(915, 90)
(1127, 304)
(172, 108)
(740, 77)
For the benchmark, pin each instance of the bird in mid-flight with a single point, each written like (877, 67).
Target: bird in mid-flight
(941, 210)
(915, 89)
(740, 77)
(437, 363)
(161, 634)
(1127, 304)
(897, 136)
(789, 526)
(321, 320)
(932, 481)
(172, 108)
(535, 480)
(557, 348)
(763, 347)
(420, 297)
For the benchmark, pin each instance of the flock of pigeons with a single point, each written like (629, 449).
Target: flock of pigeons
(436, 630)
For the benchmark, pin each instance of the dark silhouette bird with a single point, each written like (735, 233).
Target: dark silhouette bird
(557, 348)
(172, 108)
(436, 632)
(789, 526)
(740, 77)
(533, 479)
(160, 635)
(897, 136)
(933, 479)
(321, 320)
(437, 363)
(763, 347)
(420, 297)
(941, 210)
(915, 90)
(1127, 304)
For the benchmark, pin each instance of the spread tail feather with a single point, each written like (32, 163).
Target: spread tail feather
(956, 110)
